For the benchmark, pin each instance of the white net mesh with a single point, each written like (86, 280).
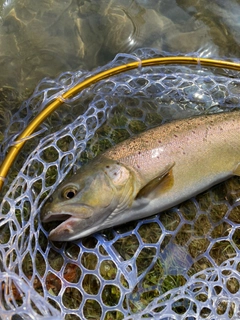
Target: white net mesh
(181, 264)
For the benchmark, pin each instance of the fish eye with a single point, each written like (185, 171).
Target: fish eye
(69, 193)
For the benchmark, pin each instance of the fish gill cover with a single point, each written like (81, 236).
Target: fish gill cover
(181, 264)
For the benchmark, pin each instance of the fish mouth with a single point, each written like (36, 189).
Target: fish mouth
(71, 229)
(63, 231)
(62, 214)
(63, 225)
(70, 223)
(49, 217)
(60, 222)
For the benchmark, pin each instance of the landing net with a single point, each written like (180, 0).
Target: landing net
(181, 264)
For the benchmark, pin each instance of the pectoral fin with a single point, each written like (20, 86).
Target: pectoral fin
(236, 171)
(159, 185)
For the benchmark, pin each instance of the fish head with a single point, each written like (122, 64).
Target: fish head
(84, 201)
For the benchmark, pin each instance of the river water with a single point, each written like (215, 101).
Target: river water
(44, 38)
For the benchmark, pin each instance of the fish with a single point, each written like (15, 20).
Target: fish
(145, 175)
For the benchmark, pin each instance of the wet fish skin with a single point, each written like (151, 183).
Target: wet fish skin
(105, 187)
(146, 174)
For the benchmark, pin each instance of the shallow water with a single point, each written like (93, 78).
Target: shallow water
(45, 38)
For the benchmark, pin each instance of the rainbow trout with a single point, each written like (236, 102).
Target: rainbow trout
(146, 174)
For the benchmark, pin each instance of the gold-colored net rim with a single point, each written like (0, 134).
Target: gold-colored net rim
(58, 101)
